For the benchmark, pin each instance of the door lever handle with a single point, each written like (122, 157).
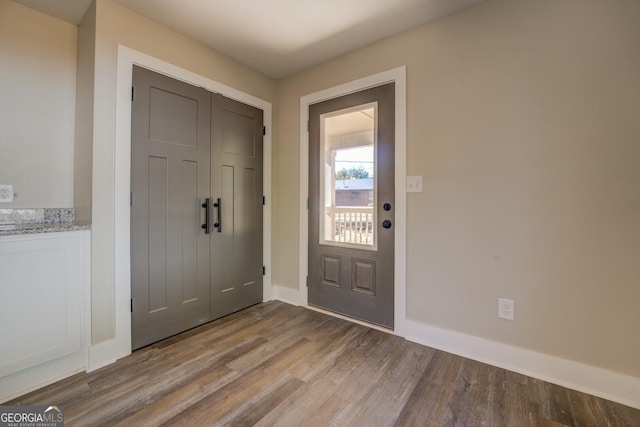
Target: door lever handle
(207, 216)
(218, 205)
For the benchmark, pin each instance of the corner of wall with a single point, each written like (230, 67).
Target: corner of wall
(288, 295)
(83, 146)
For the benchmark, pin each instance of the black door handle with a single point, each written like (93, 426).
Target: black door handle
(386, 224)
(218, 224)
(207, 216)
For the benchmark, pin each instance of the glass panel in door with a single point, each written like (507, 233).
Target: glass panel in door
(347, 177)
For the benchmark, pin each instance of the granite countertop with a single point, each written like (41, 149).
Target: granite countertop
(39, 220)
(48, 227)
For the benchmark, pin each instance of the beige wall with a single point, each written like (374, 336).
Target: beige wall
(83, 158)
(37, 106)
(523, 118)
(116, 24)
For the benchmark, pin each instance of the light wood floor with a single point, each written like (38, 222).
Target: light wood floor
(276, 364)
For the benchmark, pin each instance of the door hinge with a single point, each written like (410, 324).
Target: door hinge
(307, 203)
(307, 281)
(132, 93)
(264, 130)
(264, 200)
(308, 126)
(132, 305)
(131, 199)
(264, 270)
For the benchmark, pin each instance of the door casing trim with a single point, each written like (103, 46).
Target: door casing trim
(399, 77)
(120, 346)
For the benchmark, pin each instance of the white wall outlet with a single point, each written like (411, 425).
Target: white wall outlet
(6, 193)
(414, 184)
(506, 309)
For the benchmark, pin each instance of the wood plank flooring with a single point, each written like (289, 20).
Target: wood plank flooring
(279, 365)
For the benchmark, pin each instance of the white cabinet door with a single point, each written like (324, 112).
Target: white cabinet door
(41, 299)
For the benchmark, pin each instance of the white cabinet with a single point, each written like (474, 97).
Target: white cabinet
(44, 290)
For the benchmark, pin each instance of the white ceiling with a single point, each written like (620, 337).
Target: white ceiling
(277, 37)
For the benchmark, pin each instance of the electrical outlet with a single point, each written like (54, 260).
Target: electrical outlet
(506, 309)
(6, 193)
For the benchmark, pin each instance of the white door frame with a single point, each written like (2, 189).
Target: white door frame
(398, 76)
(127, 57)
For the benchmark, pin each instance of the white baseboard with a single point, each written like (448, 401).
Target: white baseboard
(588, 379)
(28, 380)
(105, 353)
(288, 295)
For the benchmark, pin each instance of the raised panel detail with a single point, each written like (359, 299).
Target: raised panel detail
(237, 134)
(158, 207)
(363, 276)
(190, 230)
(246, 241)
(330, 271)
(230, 261)
(173, 118)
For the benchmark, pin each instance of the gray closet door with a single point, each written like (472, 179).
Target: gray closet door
(351, 219)
(170, 179)
(236, 182)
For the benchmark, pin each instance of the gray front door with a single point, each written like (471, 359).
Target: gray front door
(351, 204)
(196, 212)
(170, 179)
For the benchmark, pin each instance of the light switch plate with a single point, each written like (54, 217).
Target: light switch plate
(414, 184)
(6, 193)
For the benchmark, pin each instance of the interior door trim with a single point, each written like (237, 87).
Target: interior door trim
(399, 76)
(120, 346)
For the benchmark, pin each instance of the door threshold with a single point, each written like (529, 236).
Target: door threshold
(351, 319)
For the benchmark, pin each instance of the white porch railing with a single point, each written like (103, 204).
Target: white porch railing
(350, 224)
